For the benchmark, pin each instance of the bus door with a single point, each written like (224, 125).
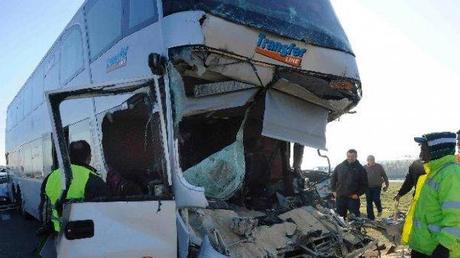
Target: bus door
(137, 216)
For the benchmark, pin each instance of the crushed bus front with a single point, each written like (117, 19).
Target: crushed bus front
(209, 137)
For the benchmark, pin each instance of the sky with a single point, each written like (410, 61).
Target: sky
(407, 55)
(408, 58)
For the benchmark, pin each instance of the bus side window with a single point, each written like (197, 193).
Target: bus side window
(27, 98)
(51, 74)
(50, 161)
(32, 159)
(49, 154)
(27, 159)
(9, 118)
(13, 113)
(71, 55)
(104, 25)
(37, 89)
(19, 107)
(142, 13)
(36, 164)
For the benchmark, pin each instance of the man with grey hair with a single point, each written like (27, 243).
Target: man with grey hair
(376, 176)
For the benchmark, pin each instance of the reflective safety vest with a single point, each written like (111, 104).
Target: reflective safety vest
(434, 215)
(53, 190)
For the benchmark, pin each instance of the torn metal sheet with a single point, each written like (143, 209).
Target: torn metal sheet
(305, 221)
(243, 226)
(263, 241)
(337, 107)
(240, 70)
(208, 251)
(290, 119)
(275, 239)
(211, 64)
(187, 106)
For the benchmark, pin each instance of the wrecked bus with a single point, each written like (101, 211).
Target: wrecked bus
(191, 109)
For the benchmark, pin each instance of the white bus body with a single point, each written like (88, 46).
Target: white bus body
(215, 57)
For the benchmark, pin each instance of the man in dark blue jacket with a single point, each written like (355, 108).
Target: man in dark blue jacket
(348, 182)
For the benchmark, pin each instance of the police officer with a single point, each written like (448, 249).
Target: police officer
(85, 185)
(432, 227)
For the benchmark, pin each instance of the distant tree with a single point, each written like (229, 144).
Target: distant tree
(396, 169)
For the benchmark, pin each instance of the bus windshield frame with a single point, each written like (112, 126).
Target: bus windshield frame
(311, 21)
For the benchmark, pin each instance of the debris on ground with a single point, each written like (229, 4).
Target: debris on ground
(295, 230)
(305, 230)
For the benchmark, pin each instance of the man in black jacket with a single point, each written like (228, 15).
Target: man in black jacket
(348, 182)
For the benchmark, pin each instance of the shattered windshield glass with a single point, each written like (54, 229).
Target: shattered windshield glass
(312, 21)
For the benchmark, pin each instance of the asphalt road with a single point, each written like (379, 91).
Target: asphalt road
(17, 235)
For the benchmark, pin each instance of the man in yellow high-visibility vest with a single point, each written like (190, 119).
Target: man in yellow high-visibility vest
(432, 227)
(85, 185)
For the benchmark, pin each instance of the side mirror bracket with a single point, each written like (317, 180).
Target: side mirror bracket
(157, 64)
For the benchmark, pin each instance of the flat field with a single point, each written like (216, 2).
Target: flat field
(388, 203)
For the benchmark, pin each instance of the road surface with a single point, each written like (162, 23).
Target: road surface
(17, 235)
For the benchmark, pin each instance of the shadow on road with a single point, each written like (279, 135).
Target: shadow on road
(17, 235)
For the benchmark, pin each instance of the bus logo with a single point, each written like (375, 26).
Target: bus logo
(118, 60)
(288, 54)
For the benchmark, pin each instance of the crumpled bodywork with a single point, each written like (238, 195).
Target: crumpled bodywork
(213, 85)
(301, 230)
(240, 98)
(336, 94)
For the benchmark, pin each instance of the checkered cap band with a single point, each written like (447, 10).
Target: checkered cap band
(441, 144)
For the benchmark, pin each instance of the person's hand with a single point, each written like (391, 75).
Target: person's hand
(385, 188)
(354, 197)
(397, 197)
(440, 252)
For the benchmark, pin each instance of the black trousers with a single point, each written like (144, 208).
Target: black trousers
(373, 196)
(345, 204)
(415, 254)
